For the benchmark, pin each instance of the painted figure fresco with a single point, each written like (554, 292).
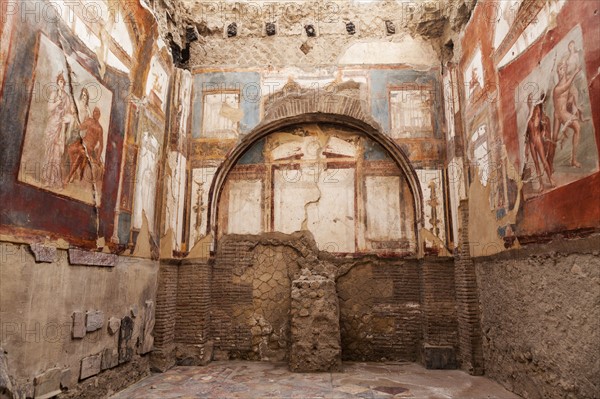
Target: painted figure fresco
(557, 136)
(59, 116)
(69, 113)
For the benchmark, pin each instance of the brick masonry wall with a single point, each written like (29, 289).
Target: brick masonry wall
(438, 301)
(193, 302)
(469, 326)
(226, 296)
(388, 308)
(164, 327)
(193, 313)
(369, 316)
(238, 304)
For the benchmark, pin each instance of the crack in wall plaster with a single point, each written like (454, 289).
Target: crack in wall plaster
(317, 178)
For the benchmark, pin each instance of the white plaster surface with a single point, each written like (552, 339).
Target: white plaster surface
(245, 207)
(409, 51)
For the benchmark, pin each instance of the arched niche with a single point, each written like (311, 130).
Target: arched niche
(286, 124)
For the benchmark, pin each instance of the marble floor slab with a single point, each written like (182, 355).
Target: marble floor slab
(256, 380)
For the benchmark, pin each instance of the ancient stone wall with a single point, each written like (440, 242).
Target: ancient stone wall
(192, 320)
(315, 325)
(539, 315)
(67, 327)
(250, 295)
(389, 308)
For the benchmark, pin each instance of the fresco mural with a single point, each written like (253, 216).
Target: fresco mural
(222, 115)
(201, 179)
(174, 185)
(474, 78)
(556, 134)
(175, 179)
(181, 111)
(69, 113)
(157, 84)
(411, 112)
(324, 178)
(228, 116)
(433, 197)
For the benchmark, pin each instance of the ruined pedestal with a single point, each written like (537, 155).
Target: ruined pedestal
(315, 322)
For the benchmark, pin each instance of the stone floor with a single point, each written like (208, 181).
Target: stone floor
(256, 380)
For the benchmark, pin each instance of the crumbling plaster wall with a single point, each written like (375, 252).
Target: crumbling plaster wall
(389, 308)
(540, 307)
(250, 292)
(432, 26)
(39, 306)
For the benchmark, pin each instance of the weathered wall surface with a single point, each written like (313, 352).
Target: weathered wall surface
(389, 308)
(250, 294)
(540, 308)
(315, 325)
(410, 25)
(46, 333)
(341, 186)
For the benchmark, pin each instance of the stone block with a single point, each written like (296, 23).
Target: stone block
(87, 258)
(125, 334)
(148, 328)
(43, 253)
(79, 326)
(90, 366)
(110, 358)
(94, 320)
(114, 324)
(66, 378)
(5, 382)
(439, 357)
(315, 326)
(47, 385)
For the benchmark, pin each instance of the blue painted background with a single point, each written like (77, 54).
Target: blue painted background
(248, 83)
(382, 79)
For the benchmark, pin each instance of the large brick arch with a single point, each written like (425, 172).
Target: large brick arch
(312, 107)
